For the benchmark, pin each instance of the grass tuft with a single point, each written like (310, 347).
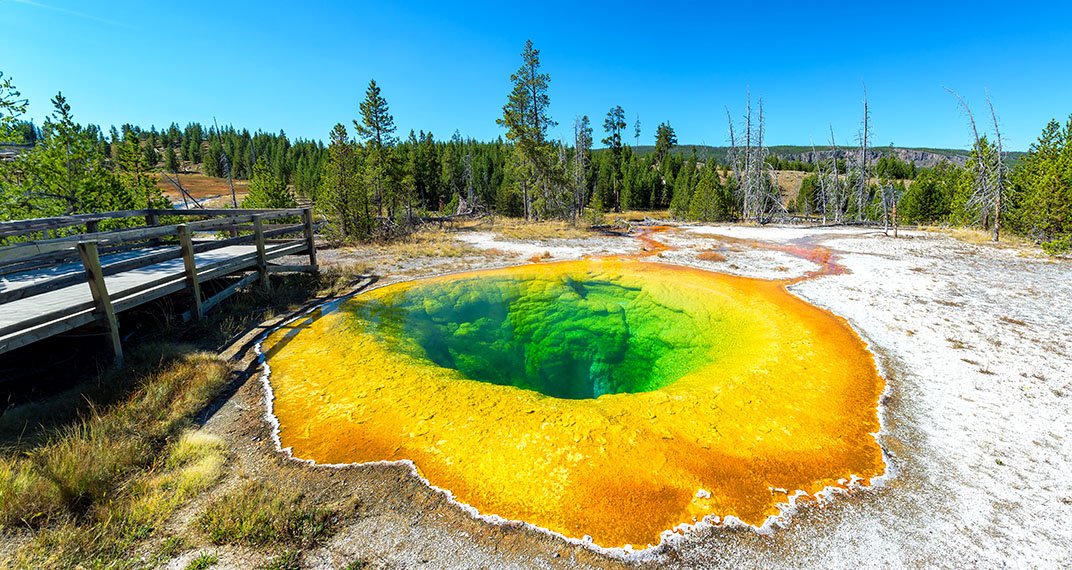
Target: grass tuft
(205, 560)
(289, 560)
(257, 514)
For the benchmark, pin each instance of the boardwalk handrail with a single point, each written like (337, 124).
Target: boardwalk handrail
(28, 249)
(246, 227)
(17, 227)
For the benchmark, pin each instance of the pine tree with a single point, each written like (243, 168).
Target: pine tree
(12, 106)
(613, 125)
(377, 127)
(340, 195)
(708, 202)
(171, 161)
(212, 161)
(266, 190)
(1043, 186)
(134, 175)
(150, 154)
(665, 139)
(526, 118)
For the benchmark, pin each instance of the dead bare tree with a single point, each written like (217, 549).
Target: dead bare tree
(999, 175)
(861, 165)
(821, 198)
(757, 186)
(831, 188)
(226, 164)
(186, 203)
(988, 173)
(890, 197)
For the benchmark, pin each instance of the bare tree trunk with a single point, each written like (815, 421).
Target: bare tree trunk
(865, 179)
(988, 173)
(999, 183)
(895, 218)
(838, 198)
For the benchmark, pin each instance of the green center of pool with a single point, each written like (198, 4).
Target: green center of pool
(564, 336)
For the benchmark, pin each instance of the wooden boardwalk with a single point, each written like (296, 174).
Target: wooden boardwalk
(54, 285)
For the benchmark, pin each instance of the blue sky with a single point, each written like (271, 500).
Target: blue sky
(302, 67)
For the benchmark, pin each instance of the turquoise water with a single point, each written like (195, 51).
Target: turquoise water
(565, 336)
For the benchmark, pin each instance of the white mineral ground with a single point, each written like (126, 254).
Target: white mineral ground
(976, 344)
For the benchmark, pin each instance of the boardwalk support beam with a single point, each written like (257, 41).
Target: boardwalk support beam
(187, 245)
(307, 216)
(101, 300)
(262, 259)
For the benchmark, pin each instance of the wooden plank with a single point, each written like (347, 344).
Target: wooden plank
(282, 231)
(50, 316)
(262, 261)
(16, 227)
(209, 245)
(31, 335)
(51, 259)
(39, 288)
(69, 280)
(291, 249)
(142, 261)
(221, 268)
(190, 265)
(213, 300)
(32, 248)
(150, 294)
(272, 213)
(220, 224)
(103, 303)
(307, 215)
(127, 293)
(38, 261)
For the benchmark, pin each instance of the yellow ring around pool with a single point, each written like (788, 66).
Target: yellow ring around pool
(792, 407)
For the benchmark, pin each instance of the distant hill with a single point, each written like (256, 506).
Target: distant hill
(923, 157)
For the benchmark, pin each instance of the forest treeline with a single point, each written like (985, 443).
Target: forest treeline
(369, 180)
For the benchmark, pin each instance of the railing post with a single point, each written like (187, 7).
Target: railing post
(187, 246)
(153, 220)
(92, 226)
(262, 260)
(91, 261)
(307, 215)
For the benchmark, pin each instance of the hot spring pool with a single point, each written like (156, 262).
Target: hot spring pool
(613, 399)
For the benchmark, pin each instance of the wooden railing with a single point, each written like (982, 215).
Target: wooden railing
(161, 244)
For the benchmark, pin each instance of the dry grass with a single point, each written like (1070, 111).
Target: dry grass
(200, 187)
(341, 278)
(518, 229)
(641, 215)
(91, 491)
(710, 256)
(427, 243)
(979, 237)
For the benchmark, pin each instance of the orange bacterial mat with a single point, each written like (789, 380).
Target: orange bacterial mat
(610, 399)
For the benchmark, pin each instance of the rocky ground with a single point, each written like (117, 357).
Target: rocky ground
(974, 342)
